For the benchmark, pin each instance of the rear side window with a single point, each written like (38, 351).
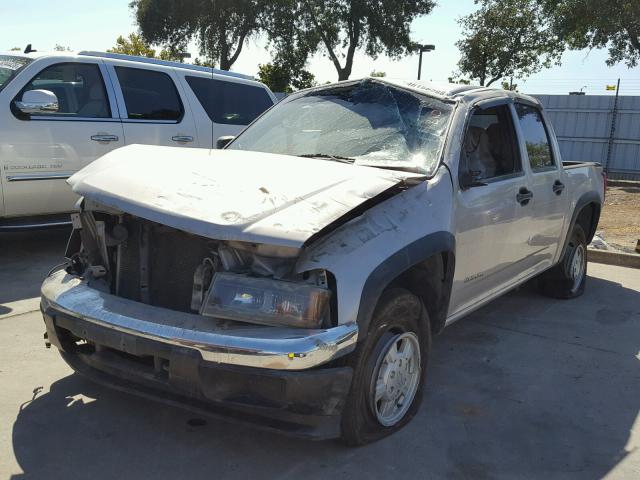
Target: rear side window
(229, 102)
(149, 95)
(78, 86)
(535, 137)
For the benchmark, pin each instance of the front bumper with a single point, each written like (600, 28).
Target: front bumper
(264, 375)
(280, 348)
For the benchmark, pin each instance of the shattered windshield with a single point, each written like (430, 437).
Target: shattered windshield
(9, 67)
(368, 123)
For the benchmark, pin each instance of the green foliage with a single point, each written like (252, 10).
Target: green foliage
(220, 27)
(279, 78)
(134, 44)
(460, 81)
(507, 38)
(61, 48)
(598, 24)
(378, 74)
(337, 28)
(15, 49)
(510, 86)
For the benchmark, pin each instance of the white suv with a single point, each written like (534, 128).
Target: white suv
(59, 112)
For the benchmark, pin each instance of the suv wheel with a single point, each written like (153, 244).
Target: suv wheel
(389, 369)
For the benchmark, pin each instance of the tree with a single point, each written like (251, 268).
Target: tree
(279, 78)
(61, 48)
(507, 38)
(338, 28)
(134, 44)
(375, 73)
(15, 49)
(598, 24)
(221, 27)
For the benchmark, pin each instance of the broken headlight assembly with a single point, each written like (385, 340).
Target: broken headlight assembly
(266, 301)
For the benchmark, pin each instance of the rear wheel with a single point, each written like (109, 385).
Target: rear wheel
(567, 279)
(389, 369)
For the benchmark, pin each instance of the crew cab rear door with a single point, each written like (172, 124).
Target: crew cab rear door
(153, 106)
(39, 151)
(550, 198)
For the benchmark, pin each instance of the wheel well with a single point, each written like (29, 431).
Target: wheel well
(588, 219)
(431, 281)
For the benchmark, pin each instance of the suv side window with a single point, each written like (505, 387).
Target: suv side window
(79, 87)
(149, 94)
(490, 149)
(535, 136)
(230, 103)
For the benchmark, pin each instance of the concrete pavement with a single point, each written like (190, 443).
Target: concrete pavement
(527, 387)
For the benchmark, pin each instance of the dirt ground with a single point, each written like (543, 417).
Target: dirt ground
(620, 218)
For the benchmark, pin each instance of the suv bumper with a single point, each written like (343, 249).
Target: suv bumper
(264, 375)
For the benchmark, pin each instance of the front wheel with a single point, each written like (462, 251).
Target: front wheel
(567, 279)
(389, 369)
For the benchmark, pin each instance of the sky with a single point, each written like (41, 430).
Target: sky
(95, 25)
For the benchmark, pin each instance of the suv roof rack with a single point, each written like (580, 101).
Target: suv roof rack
(166, 63)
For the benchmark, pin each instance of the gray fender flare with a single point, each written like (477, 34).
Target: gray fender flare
(394, 266)
(584, 200)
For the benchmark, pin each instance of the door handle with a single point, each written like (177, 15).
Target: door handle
(558, 187)
(182, 138)
(524, 196)
(104, 138)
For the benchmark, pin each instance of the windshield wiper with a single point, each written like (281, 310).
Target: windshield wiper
(335, 158)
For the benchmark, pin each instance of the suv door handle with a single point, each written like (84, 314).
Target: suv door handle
(104, 138)
(558, 187)
(182, 138)
(524, 196)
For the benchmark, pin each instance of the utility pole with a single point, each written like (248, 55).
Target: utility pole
(424, 48)
(614, 114)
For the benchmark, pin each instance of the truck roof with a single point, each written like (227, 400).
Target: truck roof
(444, 90)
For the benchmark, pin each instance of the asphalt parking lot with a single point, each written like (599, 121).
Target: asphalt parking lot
(527, 387)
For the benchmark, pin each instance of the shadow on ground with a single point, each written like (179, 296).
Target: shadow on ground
(527, 387)
(25, 259)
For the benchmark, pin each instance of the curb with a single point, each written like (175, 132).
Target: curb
(613, 258)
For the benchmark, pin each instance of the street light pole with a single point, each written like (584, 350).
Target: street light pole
(423, 48)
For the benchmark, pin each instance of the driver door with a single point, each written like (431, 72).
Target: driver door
(490, 220)
(40, 151)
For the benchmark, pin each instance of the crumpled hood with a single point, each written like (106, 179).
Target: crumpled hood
(231, 194)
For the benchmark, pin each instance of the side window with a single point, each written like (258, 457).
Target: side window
(231, 103)
(490, 149)
(149, 94)
(79, 87)
(535, 137)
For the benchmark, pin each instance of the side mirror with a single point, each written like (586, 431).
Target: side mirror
(224, 141)
(470, 179)
(38, 101)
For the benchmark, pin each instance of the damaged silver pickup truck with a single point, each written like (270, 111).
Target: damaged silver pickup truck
(296, 277)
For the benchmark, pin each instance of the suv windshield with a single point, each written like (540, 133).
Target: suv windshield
(368, 122)
(9, 67)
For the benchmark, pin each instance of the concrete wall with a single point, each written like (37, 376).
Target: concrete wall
(583, 126)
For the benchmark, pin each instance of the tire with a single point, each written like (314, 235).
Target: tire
(567, 279)
(399, 321)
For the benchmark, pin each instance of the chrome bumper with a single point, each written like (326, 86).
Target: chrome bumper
(241, 344)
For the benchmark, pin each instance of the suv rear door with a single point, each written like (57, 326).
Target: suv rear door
(152, 105)
(38, 152)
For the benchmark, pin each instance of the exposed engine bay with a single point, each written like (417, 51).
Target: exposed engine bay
(147, 262)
